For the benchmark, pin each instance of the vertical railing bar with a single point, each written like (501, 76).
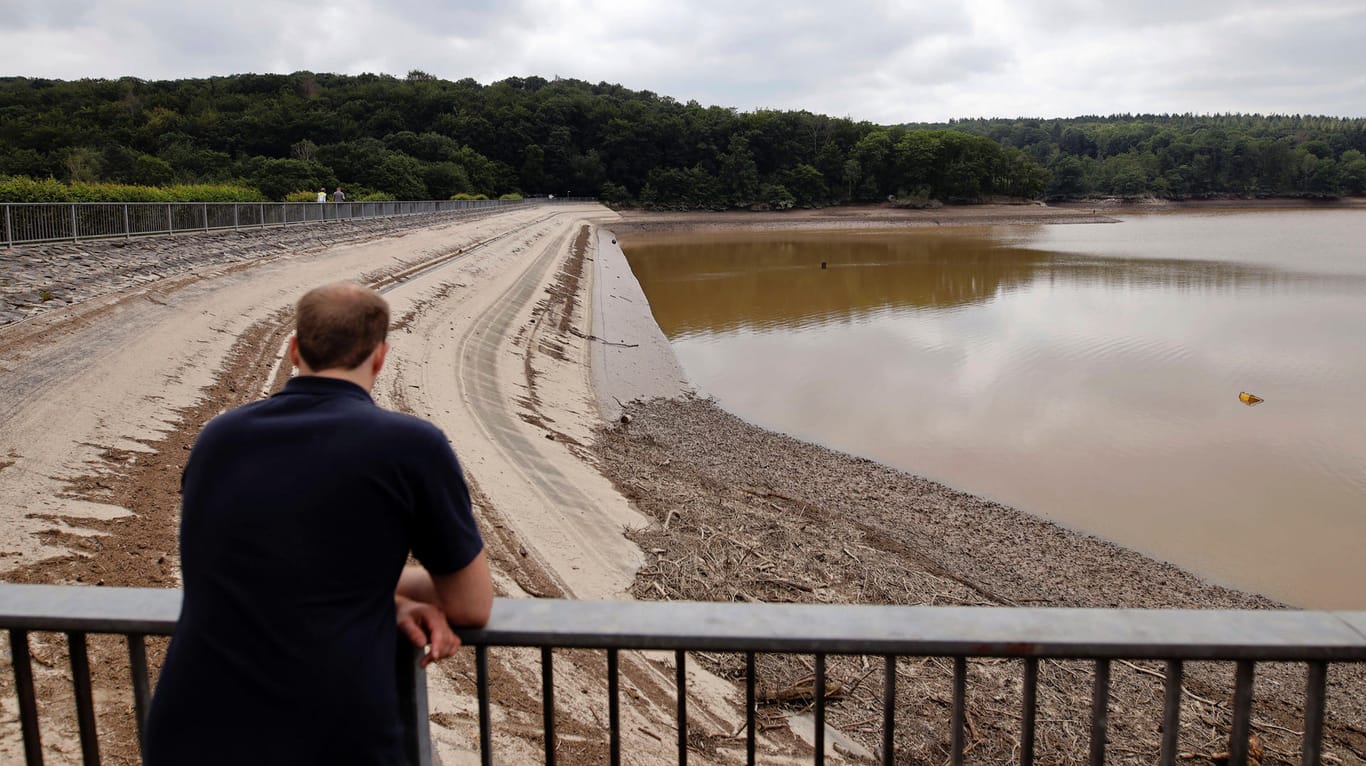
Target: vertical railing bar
(960, 694)
(481, 680)
(127, 229)
(888, 709)
(1100, 712)
(1313, 713)
(85, 702)
(1171, 712)
(1029, 710)
(418, 718)
(75, 230)
(9, 229)
(614, 707)
(1242, 713)
(820, 709)
(750, 735)
(548, 703)
(137, 667)
(28, 701)
(170, 220)
(681, 679)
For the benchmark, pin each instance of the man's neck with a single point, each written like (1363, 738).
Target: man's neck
(356, 376)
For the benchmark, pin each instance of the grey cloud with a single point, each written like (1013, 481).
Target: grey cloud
(869, 59)
(52, 14)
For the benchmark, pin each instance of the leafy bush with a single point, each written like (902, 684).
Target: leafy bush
(774, 197)
(464, 196)
(23, 189)
(510, 197)
(915, 199)
(375, 197)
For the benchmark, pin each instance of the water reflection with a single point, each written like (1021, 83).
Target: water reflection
(720, 283)
(1096, 389)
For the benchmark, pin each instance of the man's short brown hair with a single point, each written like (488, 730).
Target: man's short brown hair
(339, 325)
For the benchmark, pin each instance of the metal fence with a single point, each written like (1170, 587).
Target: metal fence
(23, 223)
(1030, 635)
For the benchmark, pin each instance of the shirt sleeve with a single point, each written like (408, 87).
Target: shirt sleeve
(445, 535)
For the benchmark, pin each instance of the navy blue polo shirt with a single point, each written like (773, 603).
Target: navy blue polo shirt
(298, 514)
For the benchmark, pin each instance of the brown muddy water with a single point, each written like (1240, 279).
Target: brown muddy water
(1086, 373)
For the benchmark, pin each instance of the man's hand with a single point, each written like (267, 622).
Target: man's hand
(426, 626)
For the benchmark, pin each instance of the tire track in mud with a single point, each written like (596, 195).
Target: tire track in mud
(649, 683)
(478, 350)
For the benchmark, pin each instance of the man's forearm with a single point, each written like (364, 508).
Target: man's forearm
(465, 596)
(416, 584)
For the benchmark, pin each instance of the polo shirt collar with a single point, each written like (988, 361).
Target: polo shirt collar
(315, 385)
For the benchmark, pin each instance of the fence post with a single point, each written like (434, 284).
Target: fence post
(9, 229)
(412, 705)
(234, 216)
(263, 214)
(170, 220)
(75, 235)
(204, 209)
(127, 229)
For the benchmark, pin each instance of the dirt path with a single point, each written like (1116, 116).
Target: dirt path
(491, 342)
(102, 400)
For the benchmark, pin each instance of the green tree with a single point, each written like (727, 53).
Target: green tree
(807, 186)
(1353, 168)
(277, 178)
(152, 171)
(739, 175)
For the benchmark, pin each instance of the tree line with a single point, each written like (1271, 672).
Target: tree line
(1190, 156)
(420, 137)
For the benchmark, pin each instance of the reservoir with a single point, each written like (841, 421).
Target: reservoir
(1086, 373)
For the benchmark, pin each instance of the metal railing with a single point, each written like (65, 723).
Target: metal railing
(137, 613)
(891, 632)
(32, 222)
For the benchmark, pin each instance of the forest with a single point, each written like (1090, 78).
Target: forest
(420, 137)
(1189, 156)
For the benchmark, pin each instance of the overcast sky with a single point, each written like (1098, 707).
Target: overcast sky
(888, 62)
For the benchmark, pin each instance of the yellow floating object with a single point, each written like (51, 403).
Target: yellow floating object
(1249, 399)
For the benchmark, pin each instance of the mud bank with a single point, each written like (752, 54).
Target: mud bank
(744, 514)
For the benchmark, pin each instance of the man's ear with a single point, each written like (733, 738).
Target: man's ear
(294, 357)
(377, 358)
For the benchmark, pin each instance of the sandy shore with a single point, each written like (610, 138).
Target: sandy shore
(525, 336)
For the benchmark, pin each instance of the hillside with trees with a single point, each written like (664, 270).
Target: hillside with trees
(1189, 156)
(423, 138)
(420, 137)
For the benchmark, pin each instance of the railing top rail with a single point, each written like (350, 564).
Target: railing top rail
(1286, 635)
(1268, 635)
(89, 609)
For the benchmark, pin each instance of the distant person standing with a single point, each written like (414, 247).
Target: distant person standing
(322, 195)
(338, 195)
(298, 513)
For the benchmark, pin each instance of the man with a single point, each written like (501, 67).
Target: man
(338, 195)
(322, 195)
(299, 512)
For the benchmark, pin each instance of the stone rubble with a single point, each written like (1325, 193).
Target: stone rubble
(42, 277)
